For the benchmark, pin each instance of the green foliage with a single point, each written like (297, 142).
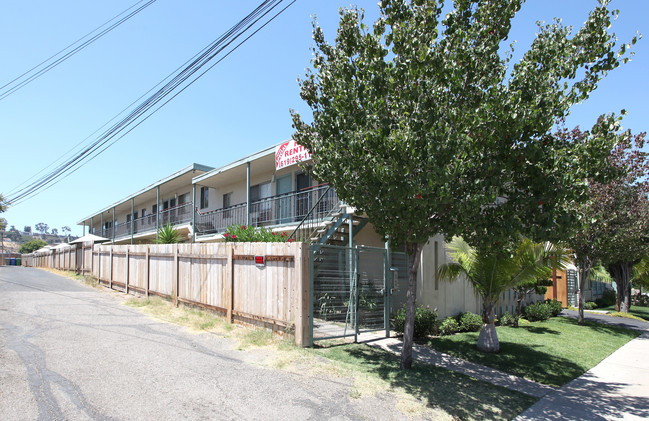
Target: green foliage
(422, 122)
(425, 321)
(590, 305)
(449, 326)
(469, 322)
(31, 246)
(243, 233)
(507, 319)
(607, 299)
(538, 312)
(167, 234)
(555, 307)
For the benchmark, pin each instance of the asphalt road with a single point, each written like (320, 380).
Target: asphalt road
(68, 351)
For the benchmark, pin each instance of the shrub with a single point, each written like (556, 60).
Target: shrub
(507, 319)
(167, 234)
(538, 312)
(31, 246)
(449, 326)
(555, 307)
(469, 322)
(640, 300)
(425, 321)
(243, 233)
(607, 299)
(590, 305)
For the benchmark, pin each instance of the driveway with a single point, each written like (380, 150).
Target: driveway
(68, 351)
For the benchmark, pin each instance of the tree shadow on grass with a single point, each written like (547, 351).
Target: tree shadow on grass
(522, 360)
(459, 395)
(539, 330)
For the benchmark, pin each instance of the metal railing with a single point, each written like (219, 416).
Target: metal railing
(218, 220)
(176, 215)
(322, 209)
(284, 209)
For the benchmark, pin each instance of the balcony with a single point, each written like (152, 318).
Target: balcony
(181, 214)
(285, 209)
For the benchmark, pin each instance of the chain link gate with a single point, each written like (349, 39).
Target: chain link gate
(352, 290)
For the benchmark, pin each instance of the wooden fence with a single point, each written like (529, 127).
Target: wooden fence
(222, 277)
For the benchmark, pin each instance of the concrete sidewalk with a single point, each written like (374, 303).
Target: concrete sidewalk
(615, 389)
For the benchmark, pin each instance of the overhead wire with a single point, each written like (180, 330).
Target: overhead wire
(135, 117)
(31, 74)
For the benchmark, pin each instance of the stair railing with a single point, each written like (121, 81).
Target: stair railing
(310, 223)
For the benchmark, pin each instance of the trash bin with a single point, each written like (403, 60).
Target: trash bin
(18, 261)
(12, 261)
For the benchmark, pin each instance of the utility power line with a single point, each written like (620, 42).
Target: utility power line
(178, 82)
(67, 52)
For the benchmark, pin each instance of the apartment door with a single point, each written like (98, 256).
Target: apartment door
(302, 199)
(282, 189)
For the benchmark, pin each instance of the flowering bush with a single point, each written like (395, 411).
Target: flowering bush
(243, 233)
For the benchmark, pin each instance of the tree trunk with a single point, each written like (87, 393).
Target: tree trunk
(488, 338)
(414, 254)
(519, 303)
(621, 272)
(585, 265)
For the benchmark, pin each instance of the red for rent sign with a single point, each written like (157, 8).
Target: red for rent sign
(289, 153)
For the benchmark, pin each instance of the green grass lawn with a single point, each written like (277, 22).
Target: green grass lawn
(459, 396)
(551, 352)
(642, 312)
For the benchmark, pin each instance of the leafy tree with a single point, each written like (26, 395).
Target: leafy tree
(167, 234)
(31, 246)
(55, 231)
(422, 124)
(3, 224)
(27, 229)
(492, 273)
(42, 227)
(614, 222)
(3, 204)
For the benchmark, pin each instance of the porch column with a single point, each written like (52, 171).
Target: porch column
(132, 219)
(157, 211)
(113, 224)
(193, 213)
(92, 225)
(102, 224)
(84, 228)
(248, 192)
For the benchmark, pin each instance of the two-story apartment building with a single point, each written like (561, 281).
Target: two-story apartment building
(268, 188)
(137, 217)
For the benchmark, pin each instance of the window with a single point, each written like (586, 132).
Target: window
(204, 197)
(143, 213)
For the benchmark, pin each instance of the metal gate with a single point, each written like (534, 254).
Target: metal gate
(354, 290)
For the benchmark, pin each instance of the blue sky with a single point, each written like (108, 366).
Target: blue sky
(239, 107)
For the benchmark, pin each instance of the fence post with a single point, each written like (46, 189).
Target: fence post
(175, 274)
(229, 280)
(127, 269)
(147, 271)
(110, 282)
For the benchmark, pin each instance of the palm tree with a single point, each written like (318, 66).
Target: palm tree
(492, 273)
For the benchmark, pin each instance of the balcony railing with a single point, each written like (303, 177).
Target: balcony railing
(277, 210)
(284, 209)
(177, 215)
